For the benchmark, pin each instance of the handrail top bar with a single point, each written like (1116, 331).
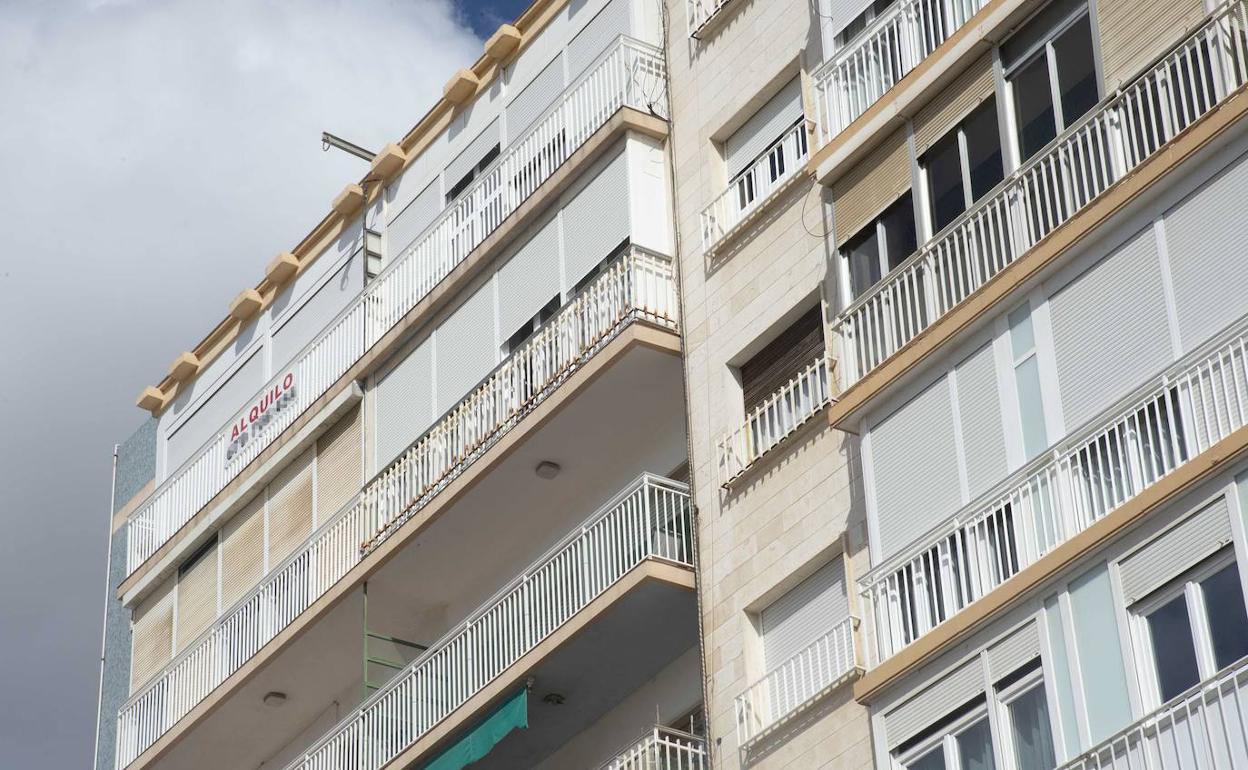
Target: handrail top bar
(1041, 155)
(1154, 386)
(393, 264)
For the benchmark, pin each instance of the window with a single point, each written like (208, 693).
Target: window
(459, 187)
(783, 358)
(1193, 629)
(1030, 735)
(781, 158)
(859, 22)
(881, 246)
(767, 147)
(1051, 74)
(1027, 381)
(964, 165)
(530, 327)
(962, 741)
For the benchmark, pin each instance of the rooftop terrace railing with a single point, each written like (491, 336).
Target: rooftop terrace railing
(825, 662)
(649, 520)
(755, 187)
(628, 74)
(1169, 421)
(1100, 149)
(1205, 728)
(637, 286)
(663, 748)
(864, 69)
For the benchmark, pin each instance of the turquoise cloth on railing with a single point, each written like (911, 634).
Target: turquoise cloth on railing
(512, 714)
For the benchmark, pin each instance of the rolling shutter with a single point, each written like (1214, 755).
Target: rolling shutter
(1123, 293)
(1176, 550)
(979, 409)
(871, 185)
(216, 411)
(242, 552)
(529, 279)
(466, 348)
(315, 314)
(413, 220)
(596, 221)
(533, 101)
(952, 103)
(780, 361)
(806, 612)
(1133, 34)
(611, 22)
(197, 597)
(290, 508)
(842, 12)
(1014, 651)
(1206, 234)
(339, 466)
(915, 465)
(151, 634)
(471, 155)
(404, 399)
(929, 706)
(763, 128)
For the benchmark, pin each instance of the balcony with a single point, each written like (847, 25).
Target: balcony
(628, 74)
(757, 186)
(701, 13)
(1096, 152)
(650, 520)
(1202, 729)
(663, 749)
(830, 660)
(1169, 422)
(637, 288)
(864, 69)
(774, 420)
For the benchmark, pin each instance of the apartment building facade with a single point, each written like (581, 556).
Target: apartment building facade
(728, 384)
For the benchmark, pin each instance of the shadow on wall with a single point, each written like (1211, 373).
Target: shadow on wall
(812, 220)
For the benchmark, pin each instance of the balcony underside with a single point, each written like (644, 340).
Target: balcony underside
(618, 648)
(620, 415)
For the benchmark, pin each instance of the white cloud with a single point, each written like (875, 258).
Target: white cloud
(153, 157)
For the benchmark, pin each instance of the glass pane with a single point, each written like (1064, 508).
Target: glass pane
(1173, 650)
(1033, 741)
(932, 760)
(943, 163)
(983, 149)
(899, 236)
(975, 747)
(1033, 107)
(863, 252)
(1031, 406)
(1076, 72)
(1022, 338)
(1228, 623)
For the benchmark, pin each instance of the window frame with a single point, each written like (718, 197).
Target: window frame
(958, 133)
(1044, 47)
(877, 227)
(1007, 696)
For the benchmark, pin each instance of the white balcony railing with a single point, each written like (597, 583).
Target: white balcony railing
(648, 520)
(663, 749)
(628, 74)
(754, 187)
(828, 661)
(1205, 728)
(1101, 148)
(700, 13)
(637, 286)
(774, 420)
(1169, 421)
(864, 69)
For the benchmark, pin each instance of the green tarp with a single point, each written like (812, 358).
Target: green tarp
(512, 714)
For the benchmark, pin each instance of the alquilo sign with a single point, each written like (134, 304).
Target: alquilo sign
(252, 422)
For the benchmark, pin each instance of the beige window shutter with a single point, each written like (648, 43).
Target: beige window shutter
(952, 104)
(290, 508)
(151, 634)
(339, 466)
(197, 598)
(242, 552)
(1133, 34)
(871, 185)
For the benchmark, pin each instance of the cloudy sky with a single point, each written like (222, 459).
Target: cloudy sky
(154, 155)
